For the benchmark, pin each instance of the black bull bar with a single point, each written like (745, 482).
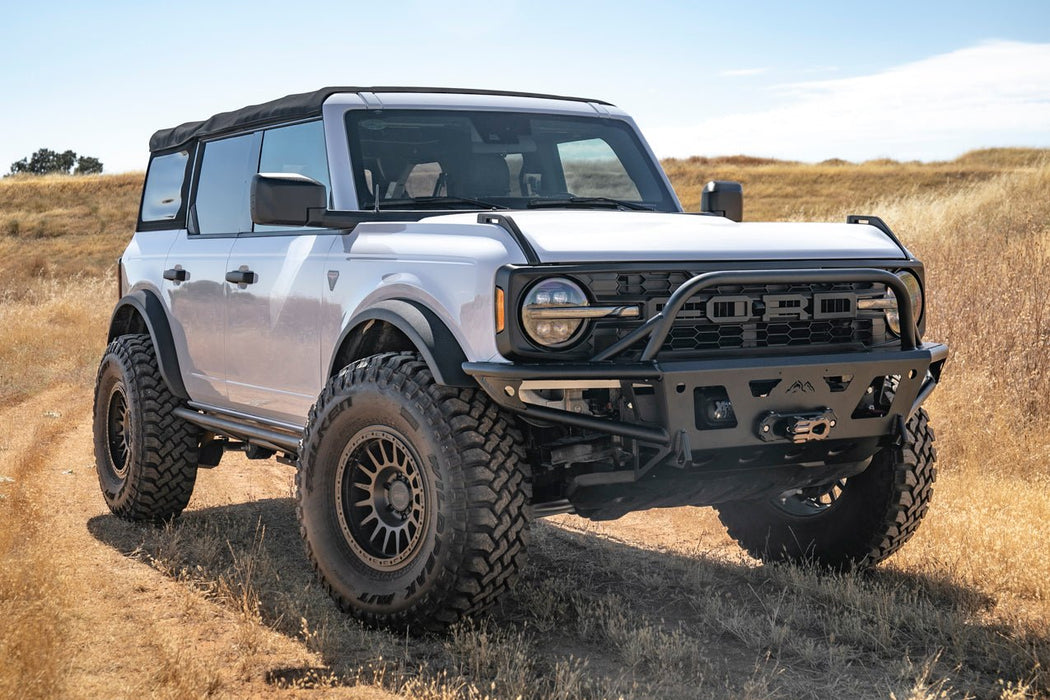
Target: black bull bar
(803, 383)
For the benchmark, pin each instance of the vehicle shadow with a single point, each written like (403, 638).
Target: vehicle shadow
(630, 617)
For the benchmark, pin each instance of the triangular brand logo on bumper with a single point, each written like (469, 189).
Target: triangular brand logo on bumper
(798, 386)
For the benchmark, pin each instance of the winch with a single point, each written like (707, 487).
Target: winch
(796, 427)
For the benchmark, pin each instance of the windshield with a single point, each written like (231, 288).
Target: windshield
(470, 160)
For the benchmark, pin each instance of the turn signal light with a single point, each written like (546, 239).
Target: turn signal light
(501, 310)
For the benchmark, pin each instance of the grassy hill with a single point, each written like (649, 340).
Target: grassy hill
(61, 225)
(776, 190)
(962, 611)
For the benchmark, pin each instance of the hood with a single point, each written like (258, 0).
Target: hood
(567, 236)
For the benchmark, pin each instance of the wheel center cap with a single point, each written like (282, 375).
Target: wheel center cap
(398, 495)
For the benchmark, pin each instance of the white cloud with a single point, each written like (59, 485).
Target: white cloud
(993, 94)
(743, 72)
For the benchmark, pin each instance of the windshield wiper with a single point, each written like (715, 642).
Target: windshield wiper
(436, 203)
(587, 202)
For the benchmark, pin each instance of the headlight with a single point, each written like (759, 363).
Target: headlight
(893, 319)
(551, 312)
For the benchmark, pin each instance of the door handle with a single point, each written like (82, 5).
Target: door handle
(241, 277)
(177, 274)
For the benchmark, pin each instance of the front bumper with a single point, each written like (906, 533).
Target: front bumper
(765, 393)
(734, 411)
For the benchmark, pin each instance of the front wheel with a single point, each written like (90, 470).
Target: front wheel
(854, 522)
(411, 496)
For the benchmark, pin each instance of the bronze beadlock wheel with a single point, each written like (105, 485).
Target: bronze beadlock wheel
(381, 498)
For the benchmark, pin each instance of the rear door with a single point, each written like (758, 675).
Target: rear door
(197, 294)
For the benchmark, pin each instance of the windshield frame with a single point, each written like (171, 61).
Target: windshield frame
(638, 162)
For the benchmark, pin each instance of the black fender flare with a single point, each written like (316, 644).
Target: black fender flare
(432, 338)
(146, 304)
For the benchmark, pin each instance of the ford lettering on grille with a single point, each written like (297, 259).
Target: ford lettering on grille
(741, 308)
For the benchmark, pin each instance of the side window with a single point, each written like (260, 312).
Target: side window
(222, 188)
(162, 195)
(295, 149)
(592, 169)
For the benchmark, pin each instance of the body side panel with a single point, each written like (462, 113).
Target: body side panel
(197, 309)
(274, 364)
(142, 275)
(448, 269)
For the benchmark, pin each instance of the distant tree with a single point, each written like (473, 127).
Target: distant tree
(86, 165)
(46, 161)
(64, 162)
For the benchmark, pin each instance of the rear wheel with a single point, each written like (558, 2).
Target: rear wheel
(859, 521)
(146, 457)
(411, 496)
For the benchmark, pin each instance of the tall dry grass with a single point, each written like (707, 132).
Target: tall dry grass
(52, 331)
(987, 250)
(62, 226)
(60, 237)
(776, 190)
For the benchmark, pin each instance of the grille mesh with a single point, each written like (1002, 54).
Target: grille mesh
(694, 332)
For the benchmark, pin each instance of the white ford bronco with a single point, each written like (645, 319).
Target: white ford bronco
(458, 310)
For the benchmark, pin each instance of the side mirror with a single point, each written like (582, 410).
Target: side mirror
(287, 199)
(723, 198)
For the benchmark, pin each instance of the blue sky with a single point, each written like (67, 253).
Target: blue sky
(803, 80)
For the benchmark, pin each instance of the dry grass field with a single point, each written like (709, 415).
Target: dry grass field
(658, 604)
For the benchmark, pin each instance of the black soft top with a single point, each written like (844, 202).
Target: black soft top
(299, 106)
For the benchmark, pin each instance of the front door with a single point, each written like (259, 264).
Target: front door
(273, 363)
(273, 346)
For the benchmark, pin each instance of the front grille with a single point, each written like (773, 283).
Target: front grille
(739, 310)
(650, 283)
(690, 336)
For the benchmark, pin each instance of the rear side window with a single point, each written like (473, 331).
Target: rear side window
(221, 201)
(165, 183)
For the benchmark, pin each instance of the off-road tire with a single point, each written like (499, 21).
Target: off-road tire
(146, 457)
(876, 512)
(461, 461)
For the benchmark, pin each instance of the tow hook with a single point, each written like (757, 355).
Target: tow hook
(796, 427)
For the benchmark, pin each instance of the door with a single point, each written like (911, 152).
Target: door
(273, 363)
(197, 262)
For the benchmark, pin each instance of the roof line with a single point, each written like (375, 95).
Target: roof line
(304, 105)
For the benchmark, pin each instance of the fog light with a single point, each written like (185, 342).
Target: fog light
(719, 411)
(713, 408)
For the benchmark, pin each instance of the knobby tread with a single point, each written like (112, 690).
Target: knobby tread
(890, 499)
(490, 490)
(162, 460)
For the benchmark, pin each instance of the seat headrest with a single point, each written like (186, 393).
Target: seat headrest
(488, 176)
